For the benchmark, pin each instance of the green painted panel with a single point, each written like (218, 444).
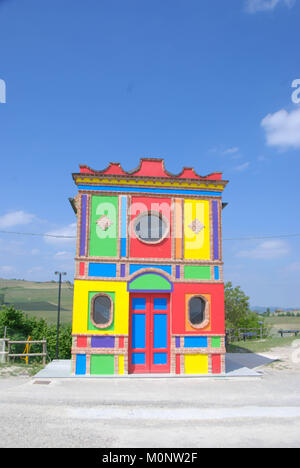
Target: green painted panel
(150, 282)
(102, 364)
(197, 272)
(103, 242)
(92, 327)
(215, 342)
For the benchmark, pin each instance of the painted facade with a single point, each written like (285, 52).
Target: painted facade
(149, 292)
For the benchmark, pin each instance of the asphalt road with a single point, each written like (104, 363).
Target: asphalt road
(151, 413)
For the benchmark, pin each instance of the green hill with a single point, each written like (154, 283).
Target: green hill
(39, 298)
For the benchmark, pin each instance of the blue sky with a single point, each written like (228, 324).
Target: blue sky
(204, 83)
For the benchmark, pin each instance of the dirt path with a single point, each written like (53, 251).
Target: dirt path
(288, 358)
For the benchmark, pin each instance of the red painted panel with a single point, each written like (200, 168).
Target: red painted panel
(177, 363)
(81, 268)
(81, 341)
(139, 249)
(151, 168)
(121, 341)
(178, 307)
(216, 364)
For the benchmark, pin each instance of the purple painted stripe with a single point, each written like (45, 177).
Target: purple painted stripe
(83, 224)
(123, 270)
(103, 342)
(177, 339)
(216, 229)
(177, 271)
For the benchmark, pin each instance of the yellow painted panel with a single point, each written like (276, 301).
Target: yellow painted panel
(167, 183)
(196, 364)
(81, 306)
(121, 364)
(196, 245)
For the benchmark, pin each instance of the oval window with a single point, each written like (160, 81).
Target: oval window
(102, 310)
(197, 307)
(151, 227)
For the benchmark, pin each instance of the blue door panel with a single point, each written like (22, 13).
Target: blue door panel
(160, 334)
(138, 331)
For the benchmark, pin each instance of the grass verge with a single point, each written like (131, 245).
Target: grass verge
(17, 369)
(256, 346)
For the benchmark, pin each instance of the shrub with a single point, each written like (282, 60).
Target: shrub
(20, 326)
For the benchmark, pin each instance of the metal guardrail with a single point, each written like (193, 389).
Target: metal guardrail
(242, 334)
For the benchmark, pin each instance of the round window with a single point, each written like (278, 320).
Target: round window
(151, 227)
(102, 311)
(196, 310)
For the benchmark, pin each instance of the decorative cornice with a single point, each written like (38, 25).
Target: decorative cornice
(150, 172)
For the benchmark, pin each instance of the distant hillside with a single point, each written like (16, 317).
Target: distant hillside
(38, 298)
(261, 310)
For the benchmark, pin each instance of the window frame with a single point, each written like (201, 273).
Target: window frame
(206, 314)
(111, 317)
(158, 215)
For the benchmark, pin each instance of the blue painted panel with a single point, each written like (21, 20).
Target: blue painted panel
(138, 358)
(195, 342)
(160, 358)
(124, 226)
(217, 273)
(160, 334)
(105, 188)
(123, 247)
(139, 303)
(166, 268)
(138, 331)
(80, 364)
(160, 303)
(106, 270)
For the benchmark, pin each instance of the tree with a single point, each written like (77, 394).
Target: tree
(237, 309)
(20, 326)
(236, 305)
(268, 312)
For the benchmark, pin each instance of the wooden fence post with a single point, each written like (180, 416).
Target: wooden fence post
(44, 351)
(8, 351)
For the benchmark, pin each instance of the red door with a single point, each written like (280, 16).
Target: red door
(149, 333)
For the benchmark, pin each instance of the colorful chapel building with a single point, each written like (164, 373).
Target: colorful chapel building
(148, 291)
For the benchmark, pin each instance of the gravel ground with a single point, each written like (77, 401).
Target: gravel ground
(156, 413)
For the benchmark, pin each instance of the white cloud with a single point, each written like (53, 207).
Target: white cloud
(6, 269)
(242, 167)
(66, 235)
(63, 255)
(262, 159)
(253, 6)
(35, 269)
(293, 267)
(283, 128)
(233, 150)
(266, 250)
(15, 218)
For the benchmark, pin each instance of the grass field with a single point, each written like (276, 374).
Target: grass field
(259, 346)
(39, 299)
(285, 323)
(275, 340)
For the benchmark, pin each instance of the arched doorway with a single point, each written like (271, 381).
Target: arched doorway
(149, 324)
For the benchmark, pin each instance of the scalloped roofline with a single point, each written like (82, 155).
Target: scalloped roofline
(150, 168)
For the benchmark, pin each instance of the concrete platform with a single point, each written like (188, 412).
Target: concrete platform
(237, 365)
